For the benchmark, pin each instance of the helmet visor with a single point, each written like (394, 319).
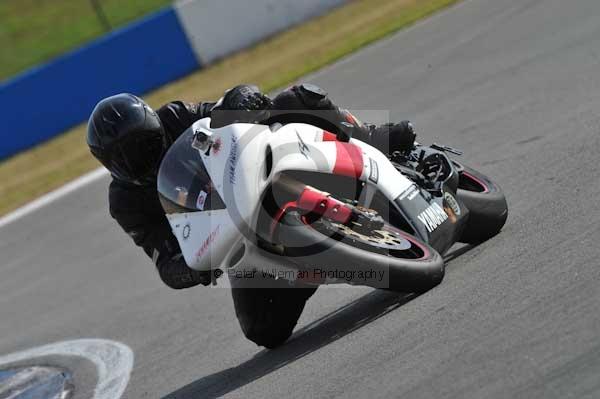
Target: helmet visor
(136, 159)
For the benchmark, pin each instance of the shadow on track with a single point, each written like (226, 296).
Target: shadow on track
(311, 338)
(456, 251)
(319, 333)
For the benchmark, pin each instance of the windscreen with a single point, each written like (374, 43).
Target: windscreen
(183, 183)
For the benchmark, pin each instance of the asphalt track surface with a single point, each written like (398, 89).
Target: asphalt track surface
(516, 84)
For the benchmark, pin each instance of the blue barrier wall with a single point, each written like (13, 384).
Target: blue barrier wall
(49, 99)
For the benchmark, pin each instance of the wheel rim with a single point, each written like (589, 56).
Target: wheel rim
(386, 241)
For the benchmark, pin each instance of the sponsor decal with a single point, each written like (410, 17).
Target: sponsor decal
(233, 159)
(208, 241)
(302, 146)
(374, 174)
(201, 200)
(452, 203)
(187, 229)
(410, 193)
(433, 217)
(216, 146)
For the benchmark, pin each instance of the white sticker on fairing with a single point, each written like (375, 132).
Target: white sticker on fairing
(201, 200)
(433, 217)
(374, 173)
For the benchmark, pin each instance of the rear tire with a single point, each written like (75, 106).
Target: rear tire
(487, 206)
(311, 248)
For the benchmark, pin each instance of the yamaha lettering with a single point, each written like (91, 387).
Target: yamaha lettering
(433, 217)
(414, 202)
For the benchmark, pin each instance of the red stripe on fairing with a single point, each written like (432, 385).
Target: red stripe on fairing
(348, 160)
(328, 136)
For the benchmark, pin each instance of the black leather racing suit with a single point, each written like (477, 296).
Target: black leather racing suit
(137, 208)
(139, 212)
(267, 315)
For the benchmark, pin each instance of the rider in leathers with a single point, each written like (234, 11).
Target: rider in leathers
(130, 139)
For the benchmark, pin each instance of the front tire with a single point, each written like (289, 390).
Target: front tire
(487, 206)
(412, 266)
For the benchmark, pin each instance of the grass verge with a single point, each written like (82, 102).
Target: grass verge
(34, 31)
(271, 64)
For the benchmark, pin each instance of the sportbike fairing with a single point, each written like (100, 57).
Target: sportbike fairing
(183, 182)
(212, 196)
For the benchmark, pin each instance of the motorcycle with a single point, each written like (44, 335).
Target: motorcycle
(298, 202)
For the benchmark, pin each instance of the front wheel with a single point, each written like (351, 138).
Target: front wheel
(487, 206)
(385, 258)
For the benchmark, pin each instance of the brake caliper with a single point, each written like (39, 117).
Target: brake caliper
(365, 221)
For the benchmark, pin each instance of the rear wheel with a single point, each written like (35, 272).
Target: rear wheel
(384, 258)
(487, 206)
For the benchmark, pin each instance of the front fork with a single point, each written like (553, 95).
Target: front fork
(317, 203)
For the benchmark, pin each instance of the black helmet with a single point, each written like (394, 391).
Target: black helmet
(127, 137)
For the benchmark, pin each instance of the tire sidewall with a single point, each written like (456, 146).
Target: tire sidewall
(488, 210)
(311, 249)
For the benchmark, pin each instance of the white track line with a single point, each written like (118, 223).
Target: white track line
(113, 361)
(53, 195)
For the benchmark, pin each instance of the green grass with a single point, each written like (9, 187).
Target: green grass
(271, 64)
(34, 31)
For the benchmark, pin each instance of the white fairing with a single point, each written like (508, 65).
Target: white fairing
(238, 170)
(205, 238)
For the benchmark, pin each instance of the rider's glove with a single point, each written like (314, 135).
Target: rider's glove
(244, 98)
(391, 137)
(175, 273)
(243, 103)
(254, 102)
